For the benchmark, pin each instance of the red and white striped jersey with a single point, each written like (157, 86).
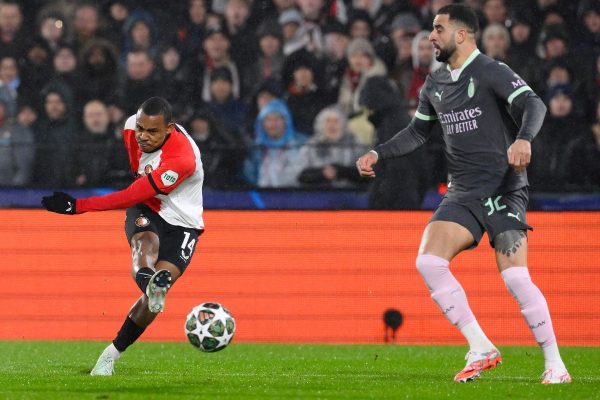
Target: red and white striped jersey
(168, 180)
(175, 171)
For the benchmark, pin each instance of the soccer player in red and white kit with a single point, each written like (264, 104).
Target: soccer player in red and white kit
(164, 214)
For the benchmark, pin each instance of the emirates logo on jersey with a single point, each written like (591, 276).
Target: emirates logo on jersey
(169, 177)
(148, 169)
(142, 221)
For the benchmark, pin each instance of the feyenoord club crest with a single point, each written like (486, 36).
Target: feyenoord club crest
(148, 169)
(142, 221)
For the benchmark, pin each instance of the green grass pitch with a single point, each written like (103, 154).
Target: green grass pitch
(59, 370)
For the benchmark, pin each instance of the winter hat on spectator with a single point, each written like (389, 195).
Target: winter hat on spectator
(555, 32)
(269, 28)
(406, 22)
(565, 90)
(290, 16)
(333, 25)
(360, 15)
(360, 45)
(270, 86)
(215, 30)
(221, 73)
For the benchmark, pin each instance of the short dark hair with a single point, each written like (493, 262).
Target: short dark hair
(463, 15)
(158, 106)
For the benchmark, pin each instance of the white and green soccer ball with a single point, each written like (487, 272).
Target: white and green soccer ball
(209, 327)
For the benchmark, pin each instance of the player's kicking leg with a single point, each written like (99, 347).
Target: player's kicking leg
(157, 289)
(511, 256)
(140, 316)
(442, 241)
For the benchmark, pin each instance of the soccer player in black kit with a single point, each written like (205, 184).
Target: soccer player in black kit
(489, 116)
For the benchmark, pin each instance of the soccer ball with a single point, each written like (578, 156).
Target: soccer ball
(209, 327)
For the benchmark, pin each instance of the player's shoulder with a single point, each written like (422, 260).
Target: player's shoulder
(130, 123)
(488, 66)
(180, 146)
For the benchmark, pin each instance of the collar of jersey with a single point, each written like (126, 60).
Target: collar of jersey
(474, 54)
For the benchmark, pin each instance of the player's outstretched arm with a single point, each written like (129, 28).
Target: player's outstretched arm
(60, 202)
(140, 190)
(365, 164)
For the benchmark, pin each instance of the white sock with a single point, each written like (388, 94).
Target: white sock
(478, 341)
(552, 357)
(112, 351)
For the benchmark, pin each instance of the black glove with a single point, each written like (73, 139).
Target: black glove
(60, 203)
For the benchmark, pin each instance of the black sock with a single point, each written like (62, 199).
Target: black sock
(142, 277)
(128, 334)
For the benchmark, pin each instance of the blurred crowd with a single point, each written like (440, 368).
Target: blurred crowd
(278, 93)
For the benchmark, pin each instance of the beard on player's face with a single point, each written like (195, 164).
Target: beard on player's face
(444, 53)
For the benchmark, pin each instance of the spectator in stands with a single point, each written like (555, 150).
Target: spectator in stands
(401, 182)
(495, 41)
(587, 46)
(86, 24)
(140, 33)
(141, 81)
(360, 25)
(117, 12)
(35, 69)
(592, 86)
(55, 138)
(424, 62)
(96, 146)
(9, 83)
(362, 64)
(314, 14)
(429, 11)
(336, 43)
(98, 61)
(494, 11)
(67, 74)
(303, 95)
(403, 29)
(12, 33)
(227, 110)
(16, 150)
(559, 128)
(175, 75)
(273, 160)
(582, 158)
(521, 53)
(9, 73)
(191, 35)
(269, 62)
(295, 36)
(222, 153)
(268, 90)
(243, 46)
(216, 54)
(327, 159)
(53, 29)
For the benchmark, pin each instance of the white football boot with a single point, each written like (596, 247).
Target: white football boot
(157, 290)
(105, 366)
(556, 375)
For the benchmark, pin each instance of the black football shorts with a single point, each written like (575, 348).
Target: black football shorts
(493, 215)
(177, 244)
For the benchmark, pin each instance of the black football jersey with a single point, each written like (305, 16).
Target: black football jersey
(472, 106)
